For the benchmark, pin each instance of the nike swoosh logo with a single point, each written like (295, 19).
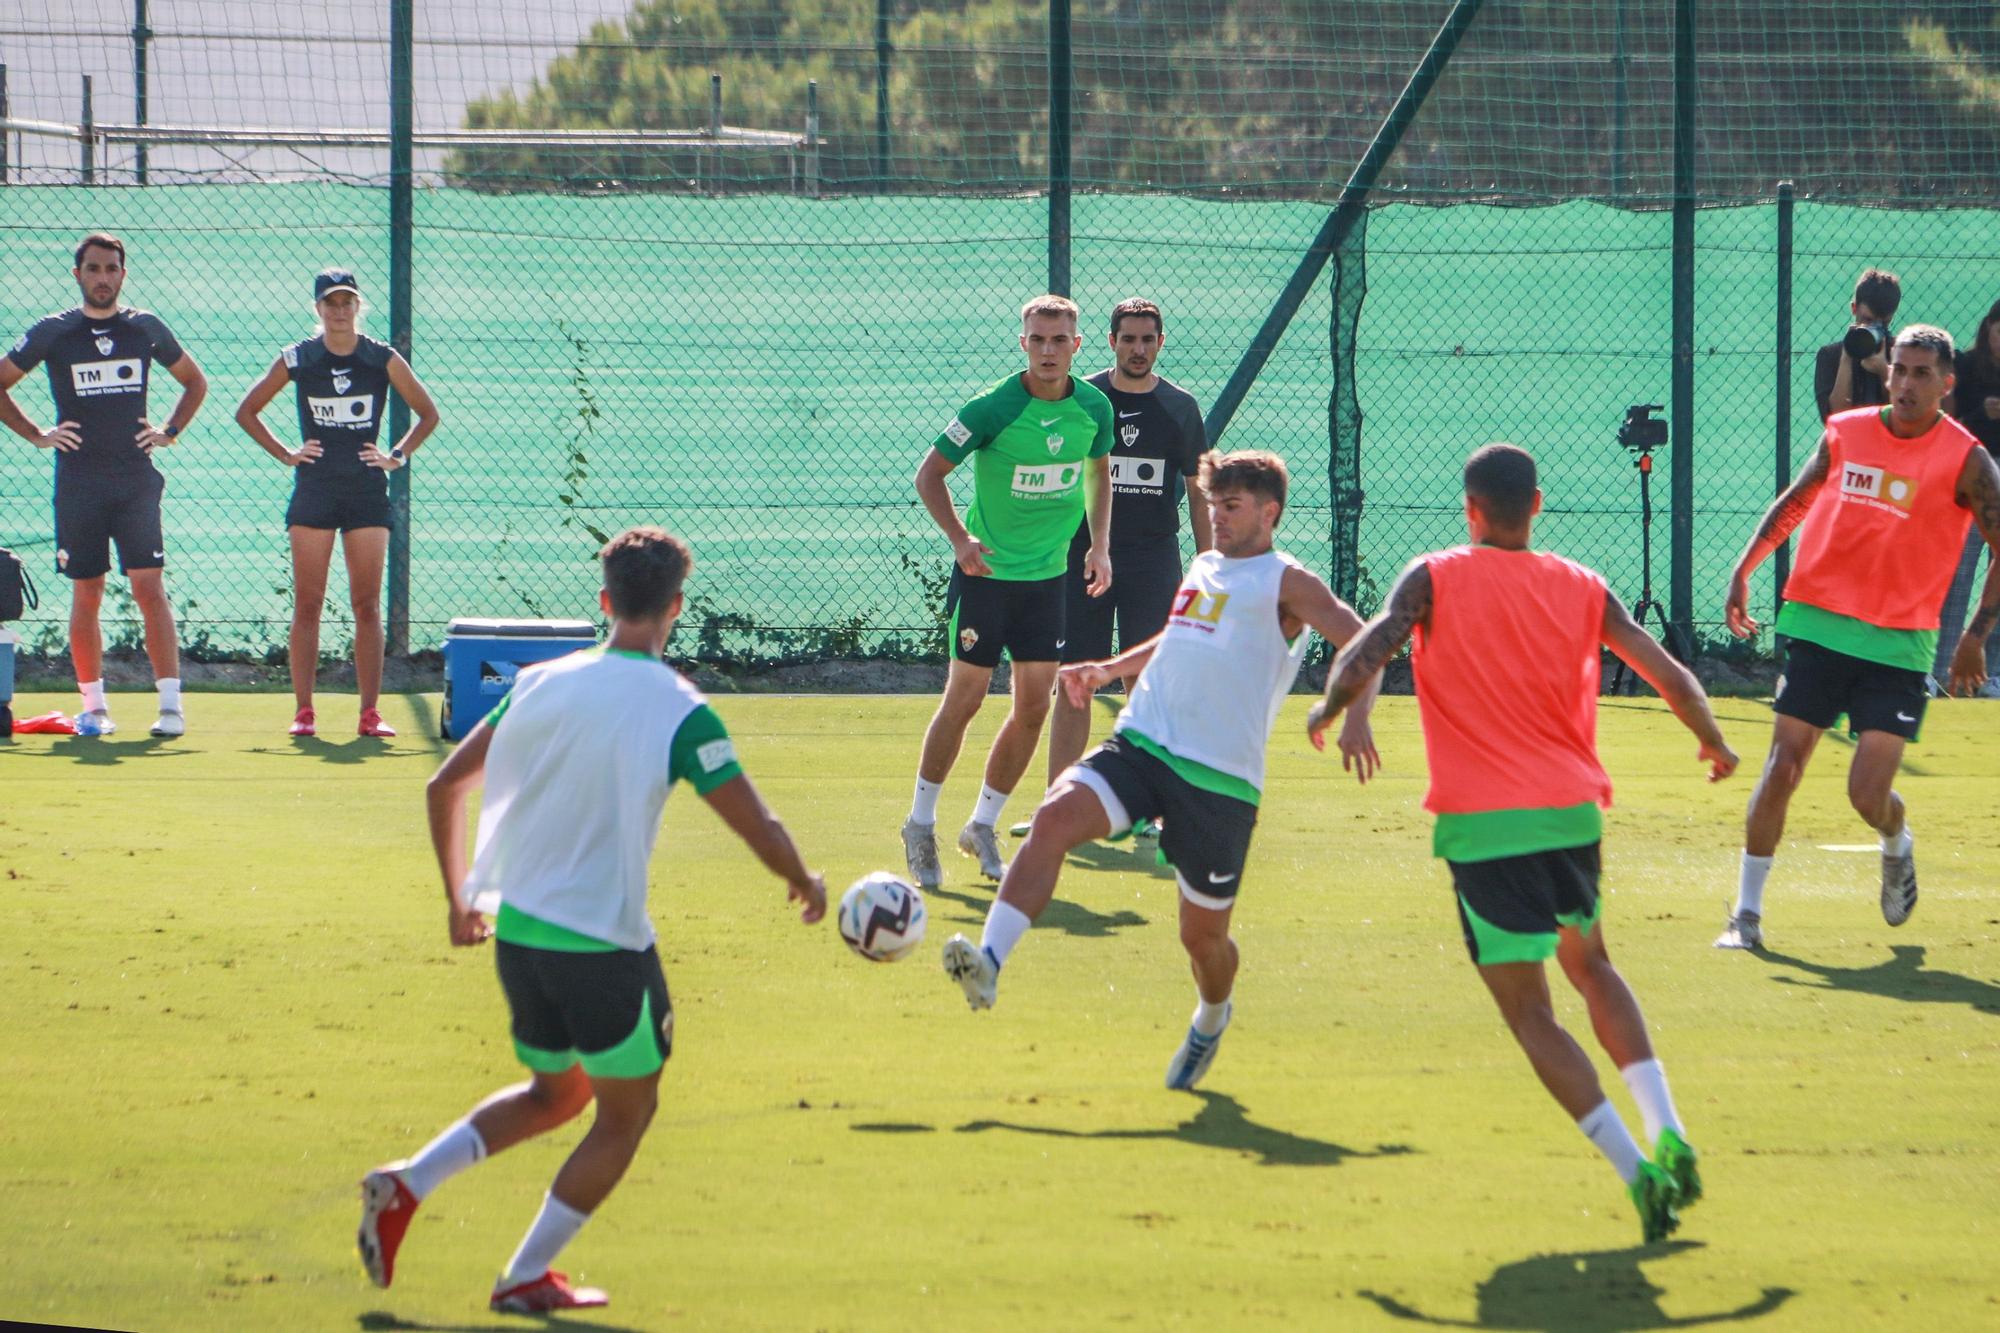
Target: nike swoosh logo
(100, 332)
(159, 555)
(1214, 878)
(1061, 642)
(1123, 415)
(1050, 421)
(1904, 717)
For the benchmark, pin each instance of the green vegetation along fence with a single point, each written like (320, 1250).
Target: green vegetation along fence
(750, 333)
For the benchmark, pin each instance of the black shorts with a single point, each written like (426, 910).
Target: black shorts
(1820, 684)
(1144, 580)
(610, 1009)
(1023, 616)
(1510, 907)
(95, 510)
(334, 508)
(1203, 834)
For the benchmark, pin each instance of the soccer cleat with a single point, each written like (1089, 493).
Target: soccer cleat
(920, 854)
(1653, 1195)
(974, 969)
(386, 1208)
(979, 841)
(1196, 1054)
(1676, 1156)
(372, 725)
(549, 1292)
(170, 722)
(96, 722)
(1899, 886)
(1745, 931)
(303, 724)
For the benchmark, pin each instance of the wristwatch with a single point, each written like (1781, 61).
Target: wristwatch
(397, 454)
(172, 432)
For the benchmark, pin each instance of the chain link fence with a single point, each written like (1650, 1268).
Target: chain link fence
(749, 332)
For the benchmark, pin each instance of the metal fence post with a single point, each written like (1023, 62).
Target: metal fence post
(1783, 556)
(1059, 129)
(402, 220)
(89, 136)
(882, 52)
(1680, 577)
(3, 133)
(812, 137)
(1620, 102)
(141, 35)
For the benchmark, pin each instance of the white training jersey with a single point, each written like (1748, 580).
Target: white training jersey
(584, 752)
(1214, 685)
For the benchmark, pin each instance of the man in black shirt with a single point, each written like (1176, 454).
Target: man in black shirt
(1155, 458)
(1841, 380)
(99, 356)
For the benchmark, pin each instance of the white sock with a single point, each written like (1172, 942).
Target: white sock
(444, 1157)
(1208, 1017)
(170, 693)
(1648, 1082)
(1750, 883)
(1900, 844)
(923, 807)
(555, 1226)
(1005, 925)
(93, 694)
(1604, 1129)
(991, 803)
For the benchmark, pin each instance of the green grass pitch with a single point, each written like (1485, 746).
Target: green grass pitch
(228, 992)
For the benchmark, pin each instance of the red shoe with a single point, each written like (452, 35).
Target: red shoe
(386, 1208)
(302, 725)
(550, 1291)
(373, 725)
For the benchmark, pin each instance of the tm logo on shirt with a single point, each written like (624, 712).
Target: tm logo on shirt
(1046, 480)
(354, 412)
(1878, 487)
(92, 378)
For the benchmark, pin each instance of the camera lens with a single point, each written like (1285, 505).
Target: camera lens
(1861, 341)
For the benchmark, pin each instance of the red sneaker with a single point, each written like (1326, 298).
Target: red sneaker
(386, 1208)
(302, 725)
(550, 1291)
(373, 725)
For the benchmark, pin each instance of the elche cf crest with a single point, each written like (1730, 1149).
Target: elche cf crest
(1055, 443)
(342, 381)
(104, 347)
(1128, 435)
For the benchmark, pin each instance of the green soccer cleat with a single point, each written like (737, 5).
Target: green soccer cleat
(1676, 1156)
(1653, 1195)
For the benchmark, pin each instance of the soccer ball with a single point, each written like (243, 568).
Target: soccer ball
(882, 917)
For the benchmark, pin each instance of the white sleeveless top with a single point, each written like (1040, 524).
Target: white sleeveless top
(1214, 685)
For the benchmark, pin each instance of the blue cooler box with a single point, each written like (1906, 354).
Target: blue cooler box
(482, 657)
(8, 638)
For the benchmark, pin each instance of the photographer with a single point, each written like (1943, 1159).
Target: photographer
(1852, 372)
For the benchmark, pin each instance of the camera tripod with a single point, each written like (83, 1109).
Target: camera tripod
(1647, 603)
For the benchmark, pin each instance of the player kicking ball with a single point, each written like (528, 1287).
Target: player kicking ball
(1506, 665)
(577, 762)
(1189, 748)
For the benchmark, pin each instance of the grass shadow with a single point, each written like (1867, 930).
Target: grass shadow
(353, 750)
(1221, 1123)
(1598, 1291)
(1132, 854)
(1068, 917)
(104, 751)
(1902, 976)
(381, 1321)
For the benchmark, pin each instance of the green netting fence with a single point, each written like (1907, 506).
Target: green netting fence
(749, 333)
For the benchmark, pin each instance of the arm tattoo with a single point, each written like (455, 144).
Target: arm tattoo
(1790, 509)
(1381, 638)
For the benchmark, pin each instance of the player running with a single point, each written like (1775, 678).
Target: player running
(100, 357)
(1189, 748)
(1155, 457)
(340, 480)
(1038, 442)
(577, 762)
(1882, 508)
(1506, 666)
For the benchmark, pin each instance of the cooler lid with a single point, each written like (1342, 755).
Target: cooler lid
(475, 627)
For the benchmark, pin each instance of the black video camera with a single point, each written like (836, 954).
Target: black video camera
(1641, 432)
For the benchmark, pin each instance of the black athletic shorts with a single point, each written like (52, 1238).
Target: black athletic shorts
(1510, 907)
(1203, 834)
(1820, 684)
(1023, 616)
(1144, 580)
(94, 510)
(609, 1009)
(336, 508)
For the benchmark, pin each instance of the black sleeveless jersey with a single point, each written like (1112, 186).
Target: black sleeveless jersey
(341, 402)
(98, 373)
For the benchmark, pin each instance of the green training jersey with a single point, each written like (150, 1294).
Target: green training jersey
(1028, 460)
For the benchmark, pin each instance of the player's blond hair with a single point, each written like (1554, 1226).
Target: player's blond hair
(1051, 304)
